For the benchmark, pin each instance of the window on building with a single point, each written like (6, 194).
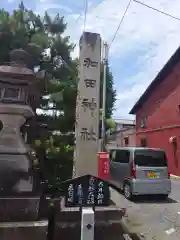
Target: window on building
(11, 93)
(179, 107)
(1, 125)
(22, 95)
(144, 142)
(143, 122)
(126, 141)
(1, 92)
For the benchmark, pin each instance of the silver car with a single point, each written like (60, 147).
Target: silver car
(140, 171)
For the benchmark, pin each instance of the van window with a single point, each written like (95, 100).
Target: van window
(121, 156)
(150, 158)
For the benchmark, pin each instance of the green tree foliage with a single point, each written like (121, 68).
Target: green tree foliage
(51, 131)
(110, 92)
(110, 99)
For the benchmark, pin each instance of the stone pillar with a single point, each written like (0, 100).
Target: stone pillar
(87, 106)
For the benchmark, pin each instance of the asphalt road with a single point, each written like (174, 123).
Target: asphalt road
(151, 217)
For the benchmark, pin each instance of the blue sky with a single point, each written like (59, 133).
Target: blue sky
(144, 43)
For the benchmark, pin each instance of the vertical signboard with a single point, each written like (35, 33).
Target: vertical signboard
(87, 105)
(86, 191)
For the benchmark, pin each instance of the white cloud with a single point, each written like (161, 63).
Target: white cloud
(44, 5)
(142, 29)
(44, 1)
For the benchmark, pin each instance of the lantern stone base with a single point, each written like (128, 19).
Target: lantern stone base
(22, 219)
(19, 209)
(23, 230)
(15, 175)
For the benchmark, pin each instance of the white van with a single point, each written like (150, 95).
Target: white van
(140, 171)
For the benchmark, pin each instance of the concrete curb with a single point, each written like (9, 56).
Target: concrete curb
(175, 177)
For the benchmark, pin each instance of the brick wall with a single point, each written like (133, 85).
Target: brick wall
(163, 119)
(162, 107)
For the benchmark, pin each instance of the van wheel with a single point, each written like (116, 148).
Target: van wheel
(127, 191)
(164, 196)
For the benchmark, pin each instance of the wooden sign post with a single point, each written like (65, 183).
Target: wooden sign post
(86, 192)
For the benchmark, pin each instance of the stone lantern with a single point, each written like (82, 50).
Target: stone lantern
(20, 92)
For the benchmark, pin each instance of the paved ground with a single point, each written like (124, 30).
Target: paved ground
(153, 218)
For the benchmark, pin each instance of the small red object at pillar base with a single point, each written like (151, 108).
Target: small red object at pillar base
(103, 166)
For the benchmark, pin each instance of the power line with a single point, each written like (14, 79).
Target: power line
(157, 10)
(150, 7)
(120, 23)
(85, 12)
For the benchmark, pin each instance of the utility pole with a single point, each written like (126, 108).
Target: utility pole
(103, 128)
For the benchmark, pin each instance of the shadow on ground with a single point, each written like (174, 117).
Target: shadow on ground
(153, 199)
(148, 198)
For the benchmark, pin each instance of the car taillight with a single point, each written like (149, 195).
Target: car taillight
(133, 170)
(169, 175)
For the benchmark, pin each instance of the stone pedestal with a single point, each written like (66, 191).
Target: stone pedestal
(19, 209)
(23, 230)
(107, 224)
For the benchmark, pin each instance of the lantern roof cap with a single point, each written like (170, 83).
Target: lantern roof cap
(19, 61)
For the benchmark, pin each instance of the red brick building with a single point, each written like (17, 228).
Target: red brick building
(158, 113)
